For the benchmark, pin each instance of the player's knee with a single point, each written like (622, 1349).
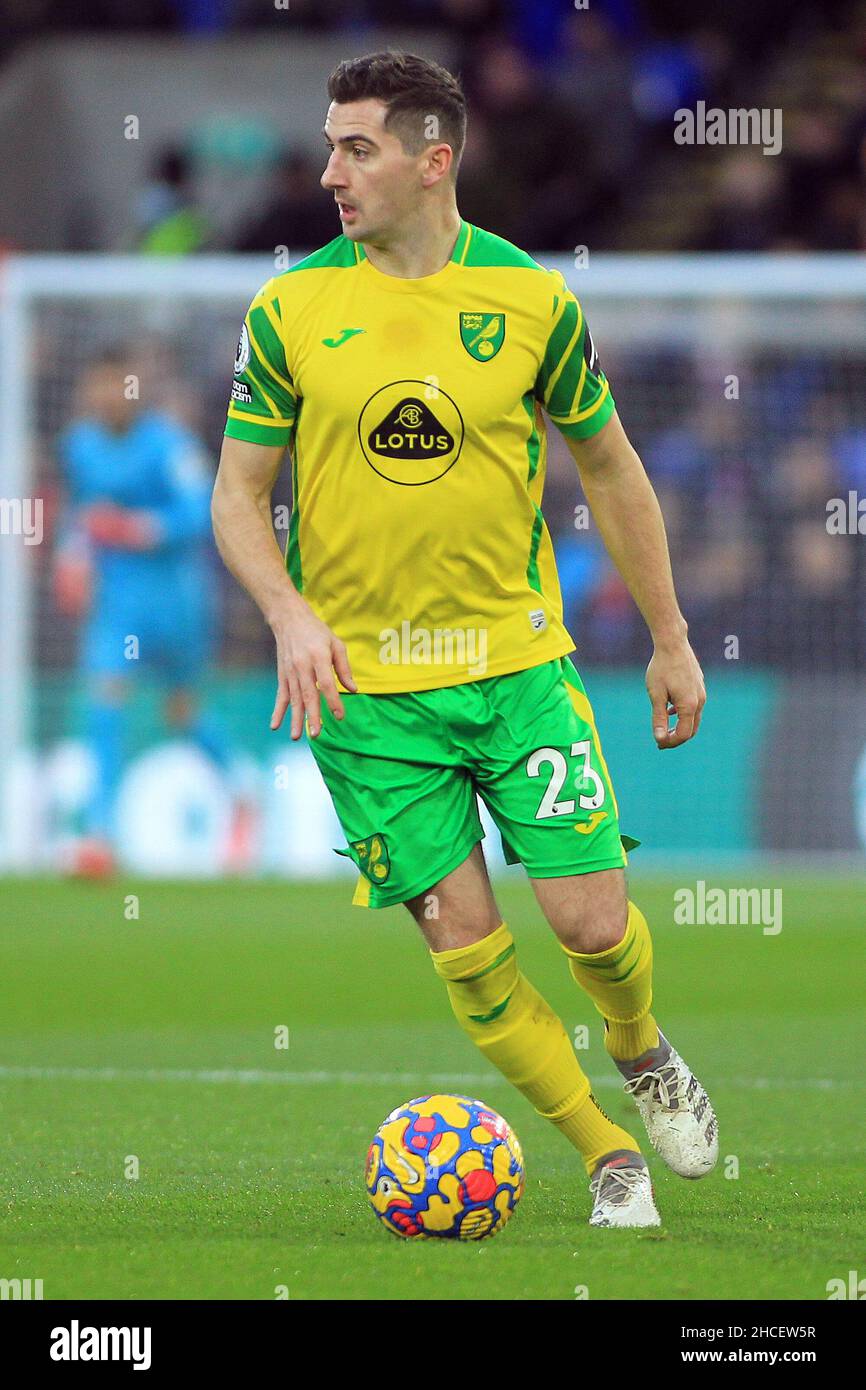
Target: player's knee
(590, 922)
(449, 923)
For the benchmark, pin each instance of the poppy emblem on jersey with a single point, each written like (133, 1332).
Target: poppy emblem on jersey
(410, 432)
(373, 859)
(482, 335)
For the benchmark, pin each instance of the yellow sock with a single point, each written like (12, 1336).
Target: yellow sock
(619, 983)
(522, 1036)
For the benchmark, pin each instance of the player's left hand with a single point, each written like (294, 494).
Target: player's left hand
(119, 527)
(675, 685)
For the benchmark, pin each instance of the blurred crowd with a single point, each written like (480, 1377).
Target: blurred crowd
(744, 484)
(571, 121)
(572, 118)
(764, 575)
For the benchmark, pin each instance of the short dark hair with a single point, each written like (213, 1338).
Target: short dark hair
(413, 89)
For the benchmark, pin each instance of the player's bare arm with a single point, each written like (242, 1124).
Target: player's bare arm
(627, 513)
(308, 652)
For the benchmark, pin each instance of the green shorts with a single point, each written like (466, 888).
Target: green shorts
(404, 772)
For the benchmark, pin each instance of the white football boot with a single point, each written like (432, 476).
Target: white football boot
(675, 1108)
(622, 1192)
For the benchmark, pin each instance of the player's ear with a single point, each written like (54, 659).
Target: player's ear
(438, 164)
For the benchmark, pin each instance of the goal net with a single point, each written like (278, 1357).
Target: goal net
(742, 383)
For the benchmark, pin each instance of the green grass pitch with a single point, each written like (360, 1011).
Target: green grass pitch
(154, 1039)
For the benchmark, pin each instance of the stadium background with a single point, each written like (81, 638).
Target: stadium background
(225, 158)
(138, 1015)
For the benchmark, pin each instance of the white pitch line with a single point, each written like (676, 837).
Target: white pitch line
(260, 1076)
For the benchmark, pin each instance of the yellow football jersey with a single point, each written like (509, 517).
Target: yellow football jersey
(413, 413)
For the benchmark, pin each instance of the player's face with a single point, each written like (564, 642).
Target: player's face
(376, 184)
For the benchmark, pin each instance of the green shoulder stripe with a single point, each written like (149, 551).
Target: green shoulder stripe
(268, 348)
(488, 249)
(339, 252)
(558, 342)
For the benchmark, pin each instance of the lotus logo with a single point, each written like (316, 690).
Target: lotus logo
(410, 431)
(411, 415)
(409, 436)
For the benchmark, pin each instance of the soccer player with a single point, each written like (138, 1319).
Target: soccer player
(132, 562)
(407, 365)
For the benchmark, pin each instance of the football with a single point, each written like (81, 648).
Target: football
(444, 1166)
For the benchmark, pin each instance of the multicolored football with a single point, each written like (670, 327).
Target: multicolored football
(444, 1166)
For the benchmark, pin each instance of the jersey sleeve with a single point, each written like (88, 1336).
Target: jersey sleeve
(264, 401)
(571, 384)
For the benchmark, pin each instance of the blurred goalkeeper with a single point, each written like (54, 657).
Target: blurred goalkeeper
(132, 564)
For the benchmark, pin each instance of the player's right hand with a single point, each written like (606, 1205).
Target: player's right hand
(308, 655)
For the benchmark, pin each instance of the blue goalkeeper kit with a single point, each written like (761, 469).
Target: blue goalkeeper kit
(163, 596)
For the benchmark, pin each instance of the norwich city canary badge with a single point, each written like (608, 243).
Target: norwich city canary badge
(482, 335)
(373, 859)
